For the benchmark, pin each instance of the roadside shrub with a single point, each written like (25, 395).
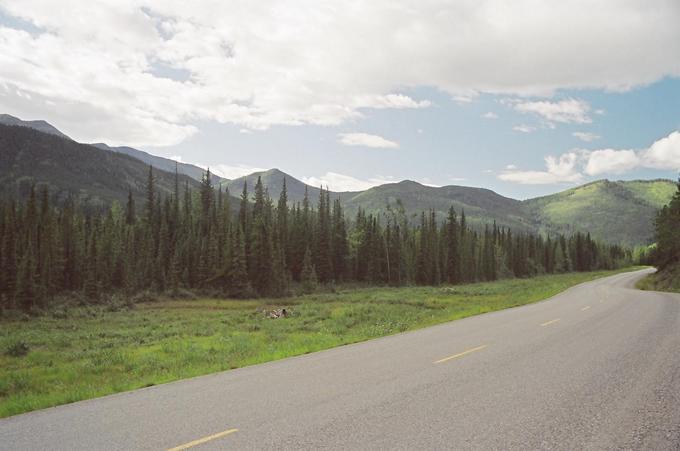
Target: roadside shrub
(18, 349)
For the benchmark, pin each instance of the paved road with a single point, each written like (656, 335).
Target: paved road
(596, 367)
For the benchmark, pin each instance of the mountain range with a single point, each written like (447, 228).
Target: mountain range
(613, 211)
(94, 176)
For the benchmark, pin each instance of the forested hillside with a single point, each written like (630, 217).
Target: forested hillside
(164, 164)
(482, 206)
(93, 177)
(189, 239)
(666, 254)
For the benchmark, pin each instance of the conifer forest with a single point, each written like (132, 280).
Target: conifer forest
(198, 241)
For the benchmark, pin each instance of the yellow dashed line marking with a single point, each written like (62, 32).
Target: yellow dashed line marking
(585, 308)
(478, 348)
(200, 441)
(547, 323)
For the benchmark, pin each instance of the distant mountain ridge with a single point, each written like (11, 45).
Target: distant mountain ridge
(161, 163)
(273, 180)
(613, 211)
(93, 176)
(164, 164)
(41, 126)
(481, 206)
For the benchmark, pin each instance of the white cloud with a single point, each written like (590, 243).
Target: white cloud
(223, 170)
(565, 111)
(664, 153)
(340, 182)
(490, 115)
(586, 136)
(558, 170)
(366, 140)
(462, 99)
(524, 128)
(232, 171)
(312, 62)
(245, 131)
(610, 161)
(397, 101)
(573, 165)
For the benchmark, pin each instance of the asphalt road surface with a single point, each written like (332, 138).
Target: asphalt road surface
(596, 367)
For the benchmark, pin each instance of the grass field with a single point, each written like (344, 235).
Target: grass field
(89, 352)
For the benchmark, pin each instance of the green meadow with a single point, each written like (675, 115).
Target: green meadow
(86, 352)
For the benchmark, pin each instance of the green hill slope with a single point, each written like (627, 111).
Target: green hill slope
(482, 206)
(617, 212)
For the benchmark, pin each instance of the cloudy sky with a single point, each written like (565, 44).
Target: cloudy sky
(525, 97)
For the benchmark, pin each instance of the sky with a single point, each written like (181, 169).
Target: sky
(526, 97)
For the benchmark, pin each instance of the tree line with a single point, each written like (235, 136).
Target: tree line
(197, 240)
(666, 253)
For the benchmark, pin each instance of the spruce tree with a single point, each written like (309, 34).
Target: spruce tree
(282, 224)
(8, 258)
(308, 275)
(452, 267)
(339, 243)
(239, 285)
(130, 209)
(323, 263)
(150, 197)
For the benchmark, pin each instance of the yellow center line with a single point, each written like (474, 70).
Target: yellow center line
(547, 323)
(200, 441)
(478, 348)
(585, 308)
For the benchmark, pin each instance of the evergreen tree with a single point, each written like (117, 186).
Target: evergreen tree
(238, 273)
(282, 224)
(150, 197)
(453, 255)
(130, 209)
(8, 258)
(323, 263)
(339, 243)
(667, 233)
(308, 276)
